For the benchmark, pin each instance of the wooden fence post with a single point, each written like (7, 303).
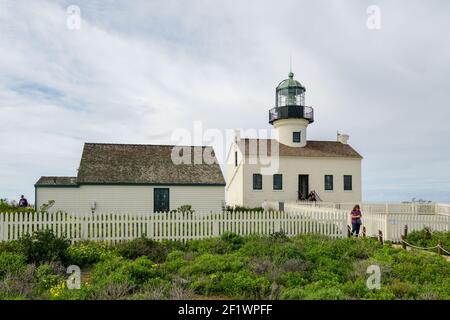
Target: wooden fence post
(403, 236)
(440, 247)
(380, 236)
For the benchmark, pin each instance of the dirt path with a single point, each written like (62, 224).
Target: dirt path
(85, 276)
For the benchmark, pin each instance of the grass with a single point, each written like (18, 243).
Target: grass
(427, 238)
(229, 267)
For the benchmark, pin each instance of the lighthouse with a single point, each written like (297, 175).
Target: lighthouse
(304, 169)
(290, 116)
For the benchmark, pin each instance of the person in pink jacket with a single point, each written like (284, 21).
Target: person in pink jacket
(356, 220)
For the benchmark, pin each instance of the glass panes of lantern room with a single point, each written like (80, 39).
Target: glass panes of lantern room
(290, 97)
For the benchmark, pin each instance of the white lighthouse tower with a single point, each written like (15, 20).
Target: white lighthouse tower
(291, 117)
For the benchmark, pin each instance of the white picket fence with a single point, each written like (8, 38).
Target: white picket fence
(117, 227)
(406, 208)
(390, 219)
(296, 219)
(443, 209)
(393, 225)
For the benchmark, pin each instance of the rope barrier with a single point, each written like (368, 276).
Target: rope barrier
(421, 248)
(424, 248)
(443, 249)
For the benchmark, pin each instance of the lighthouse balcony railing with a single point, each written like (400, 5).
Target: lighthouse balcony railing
(288, 112)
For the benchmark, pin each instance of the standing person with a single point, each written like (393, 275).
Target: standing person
(356, 220)
(23, 202)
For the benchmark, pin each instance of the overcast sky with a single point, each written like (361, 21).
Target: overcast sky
(136, 71)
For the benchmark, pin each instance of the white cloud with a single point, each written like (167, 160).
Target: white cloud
(136, 71)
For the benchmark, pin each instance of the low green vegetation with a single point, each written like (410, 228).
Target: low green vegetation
(427, 239)
(229, 267)
(9, 207)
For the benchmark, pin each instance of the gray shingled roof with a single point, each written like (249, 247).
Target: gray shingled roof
(57, 181)
(145, 164)
(312, 148)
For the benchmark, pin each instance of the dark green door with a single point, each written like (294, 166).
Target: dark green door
(160, 199)
(303, 186)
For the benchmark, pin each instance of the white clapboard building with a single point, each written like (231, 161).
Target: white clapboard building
(290, 167)
(136, 178)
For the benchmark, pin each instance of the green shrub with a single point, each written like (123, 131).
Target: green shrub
(19, 285)
(113, 291)
(209, 263)
(10, 246)
(186, 208)
(47, 277)
(61, 292)
(119, 270)
(235, 240)
(416, 267)
(143, 246)
(279, 236)
(44, 246)
(88, 253)
(277, 272)
(314, 292)
(242, 284)
(292, 279)
(212, 245)
(175, 260)
(294, 293)
(403, 290)
(426, 238)
(158, 289)
(420, 237)
(11, 263)
(251, 267)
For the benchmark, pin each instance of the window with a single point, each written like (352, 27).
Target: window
(160, 200)
(296, 136)
(277, 182)
(235, 159)
(257, 181)
(347, 183)
(328, 182)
